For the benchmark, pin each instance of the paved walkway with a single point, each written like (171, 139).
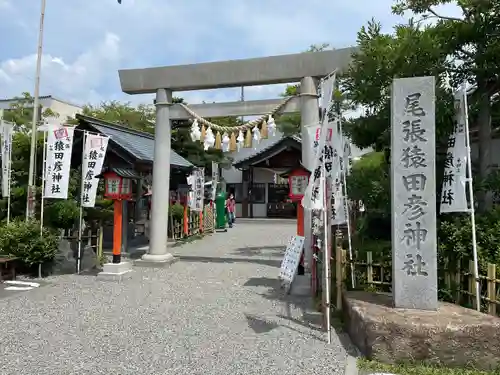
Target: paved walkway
(217, 311)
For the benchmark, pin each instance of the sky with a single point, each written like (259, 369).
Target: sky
(86, 42)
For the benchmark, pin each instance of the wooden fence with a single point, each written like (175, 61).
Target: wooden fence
(193, 223)
(456, 282)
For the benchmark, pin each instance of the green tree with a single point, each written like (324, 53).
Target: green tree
(142, 118)
(411, 51)
(21, 114)
(289, 124)
(472, 45)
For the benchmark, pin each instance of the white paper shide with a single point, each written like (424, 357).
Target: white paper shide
(58, 162)
(453, 193)
(6, 157)
(93, 159)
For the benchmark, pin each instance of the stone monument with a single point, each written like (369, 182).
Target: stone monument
(413, 194)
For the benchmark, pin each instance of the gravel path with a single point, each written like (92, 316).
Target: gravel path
(216, 311)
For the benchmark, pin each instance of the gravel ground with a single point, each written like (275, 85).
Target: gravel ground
(216, 311)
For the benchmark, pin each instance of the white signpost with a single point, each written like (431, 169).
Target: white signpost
(291, 260)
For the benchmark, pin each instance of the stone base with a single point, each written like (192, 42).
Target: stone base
(115, 271)
(452, 336)
(156, 261)
(301, 286)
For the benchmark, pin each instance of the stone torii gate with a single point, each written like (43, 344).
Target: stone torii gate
(305, 68)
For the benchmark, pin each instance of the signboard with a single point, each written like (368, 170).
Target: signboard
(413, 180)
(291, 260)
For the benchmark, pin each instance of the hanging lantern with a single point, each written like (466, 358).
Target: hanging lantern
(240, 140)
(271, 126)
(209, 140)
(225, 143)
(256, 134)
(195, 131)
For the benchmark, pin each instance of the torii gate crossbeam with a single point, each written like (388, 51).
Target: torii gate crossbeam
(305, 68)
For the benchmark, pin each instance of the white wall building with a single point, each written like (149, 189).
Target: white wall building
(257, 170)
(63, 108)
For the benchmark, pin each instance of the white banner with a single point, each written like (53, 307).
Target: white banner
(197, 183)
(339, 214)
(453, 193)
(6, 156)
(93, 160)
(58, 162)
(215, 179)
(323, 151)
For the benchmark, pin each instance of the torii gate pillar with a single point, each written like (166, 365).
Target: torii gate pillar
(158, 252)
(309, 117)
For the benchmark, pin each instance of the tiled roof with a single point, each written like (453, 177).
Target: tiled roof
(139, 144)
(264, 145)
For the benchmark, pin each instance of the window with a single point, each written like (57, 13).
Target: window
(237, 190)
(258, 193)
(278, 193)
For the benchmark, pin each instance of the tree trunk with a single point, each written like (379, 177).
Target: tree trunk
(485, 198)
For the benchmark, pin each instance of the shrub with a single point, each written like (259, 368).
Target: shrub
(369, 182)
(62, 214)
(455, 238)
(24, 240)
(177, 211)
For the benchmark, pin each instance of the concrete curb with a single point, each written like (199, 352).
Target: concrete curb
(351, 365)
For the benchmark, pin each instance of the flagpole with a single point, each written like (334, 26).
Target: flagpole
(471, 199)
(327, 255)
(80, 218)
(31, 176)
(44, 166)
(346, 204)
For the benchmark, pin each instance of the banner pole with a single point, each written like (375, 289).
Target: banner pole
(44, 166)
(80, 218)
(471, 199)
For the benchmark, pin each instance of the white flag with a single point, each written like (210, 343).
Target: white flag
(453, 194)
(93, 159)
(197, 183)
(339, 214)
(323, 152)
(6, 156)
(58, 162)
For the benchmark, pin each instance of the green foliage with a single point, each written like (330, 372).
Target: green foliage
(455, 238)
(21, 112)
(411, 51)
(177, 211)
(24, 240)
(369, 182)
(139, 118)
(290, 124)
(62, 214)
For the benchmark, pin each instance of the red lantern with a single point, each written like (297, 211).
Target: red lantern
(297, 181)
(117, 187)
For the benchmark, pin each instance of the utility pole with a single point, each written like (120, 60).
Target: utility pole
(30, 206)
